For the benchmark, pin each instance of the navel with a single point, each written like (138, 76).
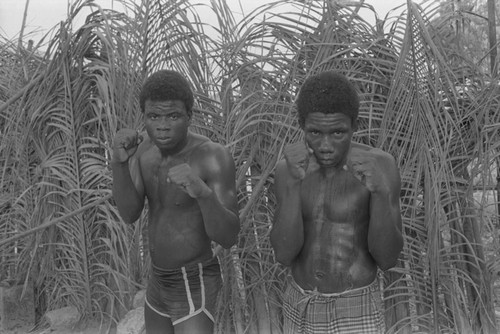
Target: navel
(319, 275)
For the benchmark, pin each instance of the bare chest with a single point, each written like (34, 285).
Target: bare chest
(162, 193)
(341, 199)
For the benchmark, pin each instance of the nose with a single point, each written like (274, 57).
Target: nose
(163, 123)
(326, 145)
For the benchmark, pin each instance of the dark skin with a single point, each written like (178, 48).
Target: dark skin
(189, 183)
(338, 217)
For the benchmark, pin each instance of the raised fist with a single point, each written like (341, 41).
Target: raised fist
(125, 144)
(297, 158)
(375, 168)
(183, 176)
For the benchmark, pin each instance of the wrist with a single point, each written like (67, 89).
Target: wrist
(205, 193)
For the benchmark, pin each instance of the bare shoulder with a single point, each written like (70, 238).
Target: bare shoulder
(203, 146)
(363, 149)
(360, 146)
(210, 155)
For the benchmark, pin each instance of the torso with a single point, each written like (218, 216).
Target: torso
(176, 231)
(335, 255)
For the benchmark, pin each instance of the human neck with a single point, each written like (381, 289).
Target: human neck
(331, 171)
(179, 149)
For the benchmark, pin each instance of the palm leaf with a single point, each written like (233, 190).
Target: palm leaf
(56, 134)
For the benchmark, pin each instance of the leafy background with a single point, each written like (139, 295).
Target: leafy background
(430, 96)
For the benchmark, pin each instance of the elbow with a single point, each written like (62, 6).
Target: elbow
(285, 257)
(284, 260)
(228, 242)
(282, 254)
(227, 245)
(129, 217)
(228, 239)
(129, 211)
(389, 259)
(388, 264)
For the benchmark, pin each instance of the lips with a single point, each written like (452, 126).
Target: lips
(326, 160)
(162, 140)
(325, 156)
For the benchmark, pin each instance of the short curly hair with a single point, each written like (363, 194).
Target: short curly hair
(327, 92)
(166, 85)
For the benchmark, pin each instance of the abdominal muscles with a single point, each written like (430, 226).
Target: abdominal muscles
(335, 255)
(178, 238)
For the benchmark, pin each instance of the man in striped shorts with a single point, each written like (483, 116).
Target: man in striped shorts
(338, 217)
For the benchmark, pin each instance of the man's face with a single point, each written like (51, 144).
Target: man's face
(329, 136)
(167, 123)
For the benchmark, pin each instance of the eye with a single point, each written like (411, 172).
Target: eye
(153, 116)
(339, 132)
(174, 117)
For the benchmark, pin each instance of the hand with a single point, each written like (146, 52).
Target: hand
(297, 158)
(183, 176)
(374, 168)
(125, 144)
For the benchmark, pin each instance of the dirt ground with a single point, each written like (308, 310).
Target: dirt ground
(88, 328)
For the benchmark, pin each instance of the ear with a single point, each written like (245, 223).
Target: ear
(354, 125)
(301, 123)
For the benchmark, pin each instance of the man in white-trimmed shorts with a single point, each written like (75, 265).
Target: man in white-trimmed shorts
(179, 294)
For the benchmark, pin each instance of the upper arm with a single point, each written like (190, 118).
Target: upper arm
(220, 174)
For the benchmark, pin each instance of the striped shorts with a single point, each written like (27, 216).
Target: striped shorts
(354, 311)
(180, 294)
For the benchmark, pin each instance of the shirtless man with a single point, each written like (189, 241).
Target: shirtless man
(338, 217)
(189, 183)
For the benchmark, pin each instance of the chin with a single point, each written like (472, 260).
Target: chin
(329, 164)
(164, 145)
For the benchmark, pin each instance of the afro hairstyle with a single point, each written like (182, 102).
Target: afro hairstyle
(166, 85)
(327, 92)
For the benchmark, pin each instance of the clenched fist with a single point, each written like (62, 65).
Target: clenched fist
(125, 144)
(297, 158)
(183, 176)
(375, 168)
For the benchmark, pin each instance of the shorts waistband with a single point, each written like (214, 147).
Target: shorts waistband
(168, 272)
(356, 291)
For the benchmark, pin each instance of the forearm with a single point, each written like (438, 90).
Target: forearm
(287, 234)
(221, 224)
(128, 200)
(385, 240)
